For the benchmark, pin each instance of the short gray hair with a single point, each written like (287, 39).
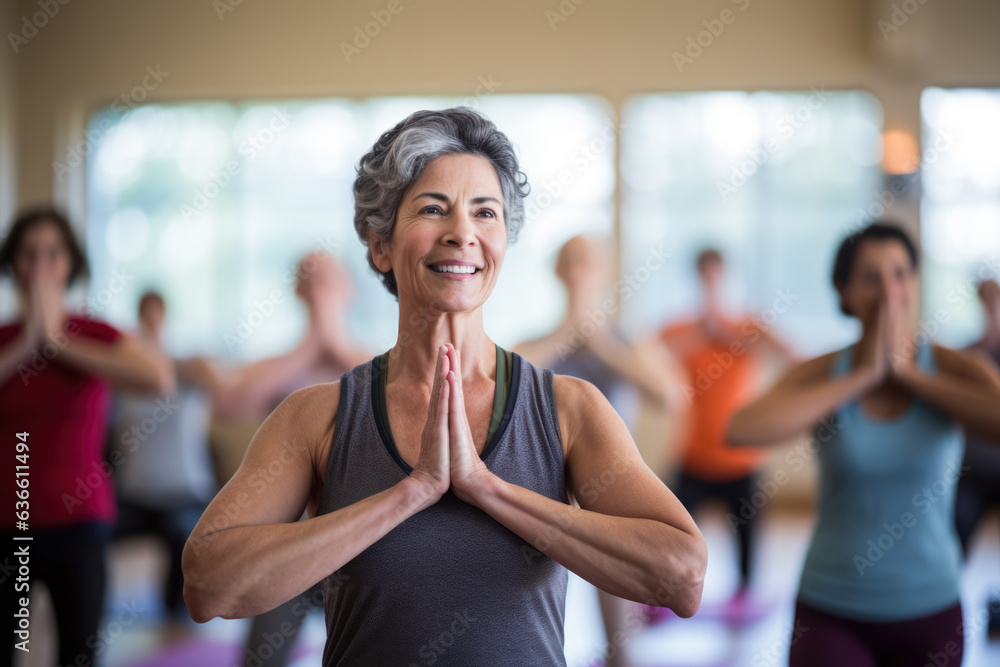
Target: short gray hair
(400, 155)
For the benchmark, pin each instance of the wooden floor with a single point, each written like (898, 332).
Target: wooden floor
(142, 639)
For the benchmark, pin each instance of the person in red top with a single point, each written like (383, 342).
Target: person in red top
(722, 357)
(56, 374)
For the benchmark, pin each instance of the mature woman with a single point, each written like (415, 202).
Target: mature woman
(56, 373)
(880, 580)
(440, 475)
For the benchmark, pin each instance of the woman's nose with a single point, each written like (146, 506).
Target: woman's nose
(460, 230)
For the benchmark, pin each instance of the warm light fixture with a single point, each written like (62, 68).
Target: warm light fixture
(900, 152)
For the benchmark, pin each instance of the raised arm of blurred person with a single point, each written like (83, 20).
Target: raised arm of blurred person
(126, 363)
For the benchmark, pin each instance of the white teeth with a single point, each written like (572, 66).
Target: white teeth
(453, 268)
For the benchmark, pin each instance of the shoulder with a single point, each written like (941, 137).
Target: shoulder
(92, 328)
(581, 407)
(309, 416)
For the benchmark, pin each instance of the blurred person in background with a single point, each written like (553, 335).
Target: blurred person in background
(597, 352)
(253, 391)
(164, 479)
(979, 486)
(723, 357)
(880, 583)
(57, 369)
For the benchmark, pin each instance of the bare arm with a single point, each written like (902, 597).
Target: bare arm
(797, 402)
(249, 553)
(250, 389)
(643, 365)
(126, 363)
(967, 388)
(630, 536)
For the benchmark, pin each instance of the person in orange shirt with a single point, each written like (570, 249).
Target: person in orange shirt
(722, 357)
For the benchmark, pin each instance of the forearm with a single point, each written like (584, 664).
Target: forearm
(131, 369)
(775, 417)
(243, 571)
(253, 389)
(976, 406)
(647, 375)
(638, 559)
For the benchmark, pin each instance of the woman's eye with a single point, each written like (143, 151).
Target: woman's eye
(488, 213)
(433, 210)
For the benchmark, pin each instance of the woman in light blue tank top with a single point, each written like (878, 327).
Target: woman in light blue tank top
(880, 583)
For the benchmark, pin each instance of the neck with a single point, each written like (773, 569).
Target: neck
(150, 336)
(422, 332)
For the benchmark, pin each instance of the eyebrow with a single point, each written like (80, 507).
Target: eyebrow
(444, 198)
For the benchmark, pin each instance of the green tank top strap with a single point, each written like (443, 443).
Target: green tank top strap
(500, 395)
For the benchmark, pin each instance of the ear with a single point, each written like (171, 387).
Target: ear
(380, 252)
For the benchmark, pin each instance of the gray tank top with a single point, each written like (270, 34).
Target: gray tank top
(450, 585)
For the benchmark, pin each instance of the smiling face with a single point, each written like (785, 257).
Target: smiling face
(881, 269)
(449, 239)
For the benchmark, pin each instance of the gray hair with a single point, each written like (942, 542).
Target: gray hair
(400, 155)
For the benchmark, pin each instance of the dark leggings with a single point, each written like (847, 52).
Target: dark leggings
(693, 492)
(820, 639)
(273, 633)
(173, 526)
(71, 562)
(977, 492)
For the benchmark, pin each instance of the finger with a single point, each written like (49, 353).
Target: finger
(443, 410)
(458, 418)
(456, 410)
(438, 374)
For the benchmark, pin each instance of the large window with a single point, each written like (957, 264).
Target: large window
(960, 208)
(215, 203)
(774, 180)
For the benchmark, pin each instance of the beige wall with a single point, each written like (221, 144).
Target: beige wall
(92, 52)
(8, 144)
